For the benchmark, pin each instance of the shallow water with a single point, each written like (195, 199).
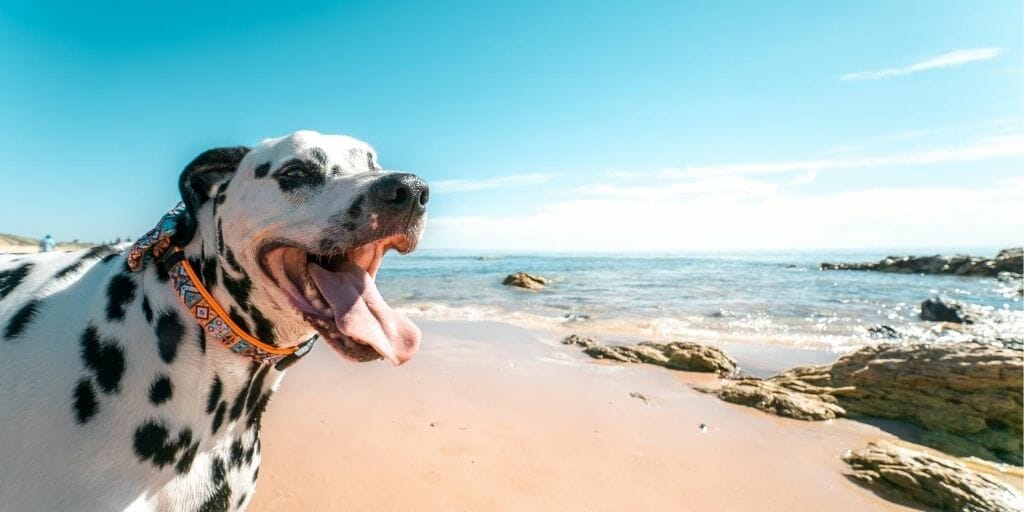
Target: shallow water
(775, 298)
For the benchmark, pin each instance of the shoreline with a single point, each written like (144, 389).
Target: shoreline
(489, 416)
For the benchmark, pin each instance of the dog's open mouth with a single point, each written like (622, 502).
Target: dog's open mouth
(337, 294)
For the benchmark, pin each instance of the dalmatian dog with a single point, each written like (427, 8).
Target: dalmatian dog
(112, 397)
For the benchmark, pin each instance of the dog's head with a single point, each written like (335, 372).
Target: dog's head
(302, 222)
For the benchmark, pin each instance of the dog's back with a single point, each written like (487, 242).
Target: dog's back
(84, 423)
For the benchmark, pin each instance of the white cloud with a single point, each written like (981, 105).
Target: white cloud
(983, 149)
(954, 58)
(759, 205)
(514, 180)
(878, 217)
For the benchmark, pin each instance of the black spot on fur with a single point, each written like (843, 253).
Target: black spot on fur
(239, 289)
(256, 414)
(241, 499)
(215, 391)
(10, 279)
(218, 418)
(264, 328)
(197, 266)
(85, 405)
(161, 390)
(98, 252)
(153, 443)
(218, 471)
(185, 462)
(356, 208)
(147, 311)
(161, 273)
(250, 453)
(256, 387)
(219, 501)
(351, 226)
(319, 156)
(120, 293)
(232, 261)
(239, 405)
(237, 454)
(239, 320)
(168, 335)
(335, 170)
(262, 170)
(210, 273)
(201, 338)
(21, 319)
(105, 358)
(255, 475)
(70, 269)
(220, 236)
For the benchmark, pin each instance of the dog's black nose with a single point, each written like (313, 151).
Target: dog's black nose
(401, 191)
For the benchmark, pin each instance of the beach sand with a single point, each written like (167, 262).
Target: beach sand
(492, 417)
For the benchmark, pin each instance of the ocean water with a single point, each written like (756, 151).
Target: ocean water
(779, 298)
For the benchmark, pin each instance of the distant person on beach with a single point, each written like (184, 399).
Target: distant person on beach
(47, 244)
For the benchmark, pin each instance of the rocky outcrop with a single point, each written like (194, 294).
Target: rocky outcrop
(677, 355)
(912, 476)
(968, 395)
(524, 280)
(944, 309)
(580, 341)
(575, 317)
(884, 332)
(1010, 261)
(774, 398)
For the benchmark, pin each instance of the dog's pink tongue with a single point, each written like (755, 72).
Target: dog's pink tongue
(361, 313)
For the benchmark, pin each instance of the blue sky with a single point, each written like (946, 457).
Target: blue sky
(587, 126)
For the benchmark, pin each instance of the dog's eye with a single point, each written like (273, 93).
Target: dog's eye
(294, 171)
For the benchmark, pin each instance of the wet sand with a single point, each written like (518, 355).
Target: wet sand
(493, 417)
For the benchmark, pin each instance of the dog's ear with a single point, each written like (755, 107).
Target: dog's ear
(198, 180)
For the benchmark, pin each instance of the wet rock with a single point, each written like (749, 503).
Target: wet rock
(524, 280)
(1011, 260)
(677, 355)
(1008, 342)
(968, 390)
(944, 309)
(884, 332)
(1008, 260)
(773, 398)
(640, 396)
(575, 317)
(642, 353)
(907, 475)
(848, 266)
(575, 339)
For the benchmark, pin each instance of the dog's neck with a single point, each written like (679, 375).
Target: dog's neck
(234, 280)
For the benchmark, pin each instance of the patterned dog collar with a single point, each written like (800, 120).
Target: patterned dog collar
(156, 244)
